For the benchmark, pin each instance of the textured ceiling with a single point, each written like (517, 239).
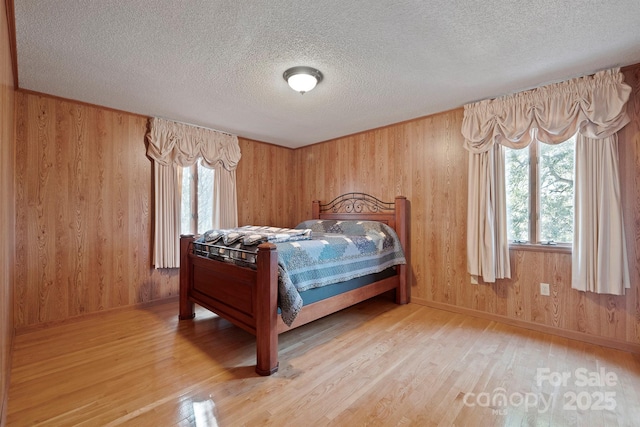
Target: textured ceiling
(219, 64)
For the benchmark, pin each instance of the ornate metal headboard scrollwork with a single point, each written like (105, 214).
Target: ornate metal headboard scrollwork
(360, 206)
(356, 203)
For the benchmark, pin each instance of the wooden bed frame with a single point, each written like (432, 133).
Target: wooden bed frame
(248, 298)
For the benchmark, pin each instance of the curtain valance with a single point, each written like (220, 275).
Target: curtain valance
(182, 145)
(173, 146)
(595, 108)
(593, 105)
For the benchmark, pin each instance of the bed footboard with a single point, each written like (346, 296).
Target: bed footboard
(247, 298)
(186, 305)
(266, 308)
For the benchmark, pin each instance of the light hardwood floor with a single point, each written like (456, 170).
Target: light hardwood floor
(376, 363)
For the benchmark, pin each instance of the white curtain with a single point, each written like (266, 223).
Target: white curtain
(599, 262)
(167, 214)
(594, 106)
(173, 146)
(224, 193)
(487, 216)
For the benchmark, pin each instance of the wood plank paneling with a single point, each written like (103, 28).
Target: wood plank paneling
(424, 159)
(84, 210)
(7, 209)
(419, 159)
(265, 185)
(628, 309)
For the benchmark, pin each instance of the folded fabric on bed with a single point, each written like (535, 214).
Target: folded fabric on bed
(254, 235)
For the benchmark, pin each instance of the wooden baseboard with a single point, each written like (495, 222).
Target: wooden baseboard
(574, 335)
(30, 328)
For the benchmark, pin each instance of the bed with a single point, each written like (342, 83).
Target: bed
(247, 293)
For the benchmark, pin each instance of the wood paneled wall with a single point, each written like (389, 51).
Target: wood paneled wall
(624, 312)
(7, 210)
(266, 192)
(84, 194)
(85, 208)
(84, 212)
(424, 160)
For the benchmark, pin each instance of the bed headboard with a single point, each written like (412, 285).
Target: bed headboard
(362, 206)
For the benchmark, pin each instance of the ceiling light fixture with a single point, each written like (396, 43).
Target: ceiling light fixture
(302, 79)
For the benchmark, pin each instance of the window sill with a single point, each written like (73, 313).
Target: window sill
(537, 247)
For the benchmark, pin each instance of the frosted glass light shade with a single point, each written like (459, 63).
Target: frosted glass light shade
(302, 82)
(302, 79)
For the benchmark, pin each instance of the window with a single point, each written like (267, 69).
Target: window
(539, 186)
(196, 213)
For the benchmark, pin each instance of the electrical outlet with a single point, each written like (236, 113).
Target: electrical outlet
(544, 289)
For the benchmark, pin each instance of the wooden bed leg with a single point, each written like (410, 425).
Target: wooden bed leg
(266, 309)
(186, 305)
(402, 293)
(403, 225)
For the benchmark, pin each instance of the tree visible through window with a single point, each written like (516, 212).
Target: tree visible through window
(517, 188)
(196, 213)
(541, 213)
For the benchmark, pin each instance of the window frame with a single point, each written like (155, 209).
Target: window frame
(193, 189)
(534, 243)
(194, 200)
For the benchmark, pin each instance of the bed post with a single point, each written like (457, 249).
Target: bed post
(403, 215)
(315, 209)
(186, 305)
(266, 309)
